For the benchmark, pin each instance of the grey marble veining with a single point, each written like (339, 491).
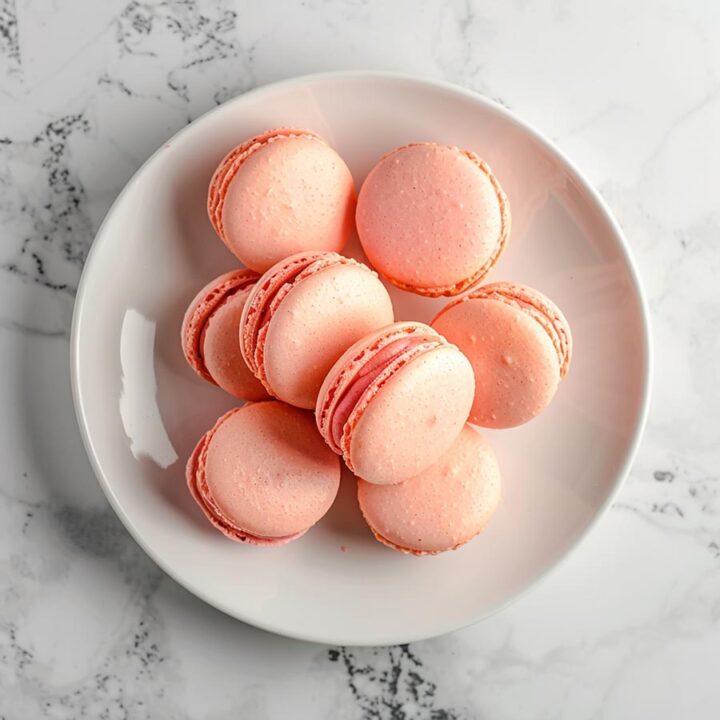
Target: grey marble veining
(628, 627)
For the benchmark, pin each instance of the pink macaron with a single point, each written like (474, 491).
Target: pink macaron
(281, 192)
(519, 344)
(395, 402)
(443, 507)
(209, 335)
(432, 219)
(302, 315)
(262, 474)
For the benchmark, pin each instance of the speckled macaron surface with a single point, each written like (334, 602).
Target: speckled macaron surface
(210, 339)
(279, 193)
(405, 411)
(519, 344)
(443, 507)
(262, 474)
(303, 314)
(432, 219)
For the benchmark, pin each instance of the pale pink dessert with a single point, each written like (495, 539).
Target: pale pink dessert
(395, 402)
(432, 219)
(262, 474)
(302, 315)
(209, 335)
(443, 507)
(519, 344)
(281, 192)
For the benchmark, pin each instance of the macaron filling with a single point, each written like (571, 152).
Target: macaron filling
(201, 492)
(268, 296)
(365, 377)
(232, 163)
(382, 377)
(361, 377)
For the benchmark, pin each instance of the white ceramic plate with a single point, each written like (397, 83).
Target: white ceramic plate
(141, 409)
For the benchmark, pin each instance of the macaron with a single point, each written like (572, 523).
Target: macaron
(519, 344)
(432, 219)
(443, 507)
(210, 339)
(395, 402)
(281, 192)
(302, 315)
(262, 474)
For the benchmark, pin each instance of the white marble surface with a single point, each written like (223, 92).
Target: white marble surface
(629, 627)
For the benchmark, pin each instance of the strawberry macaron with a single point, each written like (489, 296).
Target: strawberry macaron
(209, 335)
(519, 344)
(302, 315)
(432, 219)
(281, 192)
(395, 402)
(443, 507)
(262, 474)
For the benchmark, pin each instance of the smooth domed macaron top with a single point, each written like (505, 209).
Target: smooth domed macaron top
(209, 335)
(264, 471)
(432, 219)
(282, 192)
(441, 508)
(301, 316)
(519, 344)
(410, 411)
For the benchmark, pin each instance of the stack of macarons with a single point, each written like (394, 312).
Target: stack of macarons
(307, 337)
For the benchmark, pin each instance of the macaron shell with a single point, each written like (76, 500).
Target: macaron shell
(276, 281)
(315, 323)
(516, 365)
(441, 508)
(541, 308)
(196, 480)
(412, 419)
(395, 353)
(232, 162)
(356, 360)
(432, 218)
(268, 471)
(293, 194)
(221, 351)
(209, 334)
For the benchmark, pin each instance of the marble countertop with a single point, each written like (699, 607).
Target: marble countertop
(629, 627)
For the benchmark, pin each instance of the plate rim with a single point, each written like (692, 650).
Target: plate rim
(547, 144)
